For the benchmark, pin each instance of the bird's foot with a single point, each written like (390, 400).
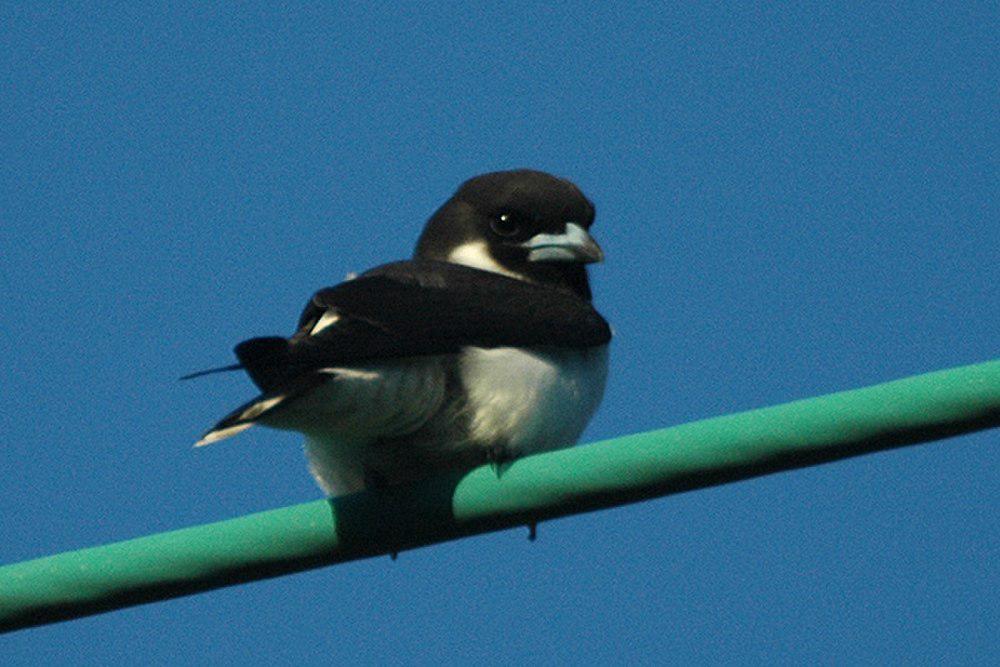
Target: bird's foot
(501, 458)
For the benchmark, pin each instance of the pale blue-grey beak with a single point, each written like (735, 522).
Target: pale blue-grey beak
(575, 245)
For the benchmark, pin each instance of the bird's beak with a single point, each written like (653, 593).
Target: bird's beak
(575, 245)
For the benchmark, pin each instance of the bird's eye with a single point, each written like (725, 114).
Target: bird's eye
(506, 225)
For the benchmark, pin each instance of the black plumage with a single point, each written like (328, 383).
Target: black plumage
(417, 308)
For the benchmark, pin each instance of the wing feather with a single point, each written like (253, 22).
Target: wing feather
(420, 308)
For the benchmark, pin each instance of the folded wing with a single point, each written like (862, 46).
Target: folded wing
(406, 309)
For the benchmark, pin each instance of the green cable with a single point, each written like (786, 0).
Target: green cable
(596, 476)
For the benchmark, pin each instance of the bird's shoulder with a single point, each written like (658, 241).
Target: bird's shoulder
(433, 300)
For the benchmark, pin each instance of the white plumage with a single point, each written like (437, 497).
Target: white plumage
(522, 401)
(535, 400)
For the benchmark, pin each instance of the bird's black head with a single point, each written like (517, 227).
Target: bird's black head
(525, 224)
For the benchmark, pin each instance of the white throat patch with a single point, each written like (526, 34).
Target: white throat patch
(477, 255)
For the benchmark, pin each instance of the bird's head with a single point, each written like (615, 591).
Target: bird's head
(525, 224)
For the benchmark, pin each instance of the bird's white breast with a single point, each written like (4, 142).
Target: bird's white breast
(531, 400)
(524, 400)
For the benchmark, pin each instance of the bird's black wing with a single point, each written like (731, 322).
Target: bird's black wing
(420, 308)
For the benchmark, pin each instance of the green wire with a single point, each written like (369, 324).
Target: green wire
(570, 481)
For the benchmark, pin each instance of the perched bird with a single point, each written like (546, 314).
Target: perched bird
(482, 348)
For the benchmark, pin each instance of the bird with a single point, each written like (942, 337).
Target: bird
(482, 348)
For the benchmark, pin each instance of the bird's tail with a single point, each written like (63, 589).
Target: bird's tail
(242, 418)
(262, 408)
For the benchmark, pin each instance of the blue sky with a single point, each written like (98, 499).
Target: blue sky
(793, 201)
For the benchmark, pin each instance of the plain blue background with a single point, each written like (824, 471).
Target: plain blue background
(793, 201)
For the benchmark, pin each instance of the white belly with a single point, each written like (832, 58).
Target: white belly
(531, 400)
(524, 401)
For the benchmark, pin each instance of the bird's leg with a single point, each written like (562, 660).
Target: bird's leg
(375, 481)
(532, 531)
(500, 458)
